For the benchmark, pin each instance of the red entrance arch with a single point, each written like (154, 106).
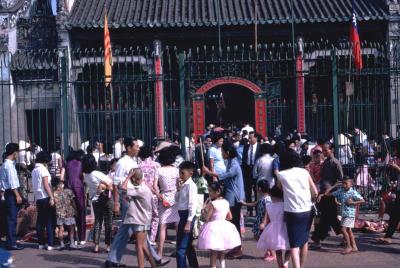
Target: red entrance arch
(260, 103)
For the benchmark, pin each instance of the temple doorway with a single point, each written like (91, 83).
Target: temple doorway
(229, 105)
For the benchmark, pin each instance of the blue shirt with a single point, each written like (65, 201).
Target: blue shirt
(8, 176)
(275, 164)
(347, 211)
(233, 179)
(219, 164)
(239, 151)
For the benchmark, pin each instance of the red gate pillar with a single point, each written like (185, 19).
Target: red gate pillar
(159, 91)
(301, 111)
(198, 115)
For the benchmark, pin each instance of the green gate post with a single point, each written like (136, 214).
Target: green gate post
(64, 105)
(182, 103)
(335, 99)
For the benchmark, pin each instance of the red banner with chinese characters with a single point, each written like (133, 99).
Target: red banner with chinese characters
(301, 122)
(260, 109)
(159, 98)
(198, 117)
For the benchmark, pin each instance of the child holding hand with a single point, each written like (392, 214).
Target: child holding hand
(64, 200)
(218, 234)
(274, 235)
(349, 199)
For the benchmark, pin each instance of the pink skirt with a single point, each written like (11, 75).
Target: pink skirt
(219, 235)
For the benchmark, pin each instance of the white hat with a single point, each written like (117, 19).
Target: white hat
(302, 141)
(23, 145)
(343, 140)
(162, 145)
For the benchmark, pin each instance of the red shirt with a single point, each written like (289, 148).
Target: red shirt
(315, 171)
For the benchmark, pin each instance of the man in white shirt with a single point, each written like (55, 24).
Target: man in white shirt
(122, 169)
(187, 200)
(24, 153)
(9, 184)
(251, 153)
(118, 147)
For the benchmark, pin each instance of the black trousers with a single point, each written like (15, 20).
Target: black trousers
(328, 219)
(235, 210)
(249, 185)
(103, 213)
(394, 217)
(3, 218)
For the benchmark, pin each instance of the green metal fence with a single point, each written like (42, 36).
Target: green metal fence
(32, 90)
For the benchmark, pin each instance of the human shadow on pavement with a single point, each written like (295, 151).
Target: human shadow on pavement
(75, 260)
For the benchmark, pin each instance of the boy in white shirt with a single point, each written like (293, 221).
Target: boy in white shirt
(187, 205)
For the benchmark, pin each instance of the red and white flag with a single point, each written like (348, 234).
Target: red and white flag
(355, 41)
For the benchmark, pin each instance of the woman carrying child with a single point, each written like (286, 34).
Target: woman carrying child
(99, 187)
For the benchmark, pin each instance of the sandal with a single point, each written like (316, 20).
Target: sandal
(347, 251)
(383, 241)
(270, 258)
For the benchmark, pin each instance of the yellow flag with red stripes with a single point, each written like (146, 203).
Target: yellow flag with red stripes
(107, 53)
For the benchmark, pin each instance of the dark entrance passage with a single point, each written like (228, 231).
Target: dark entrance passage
(229, 105)
(41, 126)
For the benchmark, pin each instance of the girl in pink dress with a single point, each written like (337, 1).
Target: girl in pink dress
(218, 234)
(274, 235)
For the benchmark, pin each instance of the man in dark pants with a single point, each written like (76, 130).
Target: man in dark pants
(9, 183)
(3, 220)
(331, 172)
(394, 211)
(251, 152)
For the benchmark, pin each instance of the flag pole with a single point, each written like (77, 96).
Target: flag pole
(255, 26)
(348, 95)
(109, 84)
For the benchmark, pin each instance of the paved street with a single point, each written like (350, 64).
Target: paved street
(370, 255)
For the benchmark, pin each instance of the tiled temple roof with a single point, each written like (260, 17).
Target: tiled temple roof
(87, 14)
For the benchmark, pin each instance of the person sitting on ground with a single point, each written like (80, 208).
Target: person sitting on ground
(348, 199)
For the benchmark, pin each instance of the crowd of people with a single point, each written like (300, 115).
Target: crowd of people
(287, 183)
